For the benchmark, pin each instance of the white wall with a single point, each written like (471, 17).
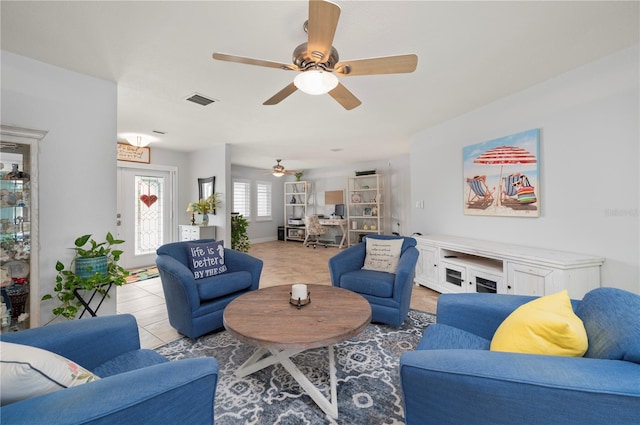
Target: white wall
(262, 231)
(202, 164)
(589, 121)
(77, 172)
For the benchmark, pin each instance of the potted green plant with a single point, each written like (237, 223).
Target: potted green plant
(204, 207)
(239, 237)
(94, 267)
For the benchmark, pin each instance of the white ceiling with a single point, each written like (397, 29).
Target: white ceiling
(469, 54)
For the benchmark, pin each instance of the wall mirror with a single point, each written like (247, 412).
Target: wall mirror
(206, 187)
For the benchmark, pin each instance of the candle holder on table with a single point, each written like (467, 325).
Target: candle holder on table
(299, 296)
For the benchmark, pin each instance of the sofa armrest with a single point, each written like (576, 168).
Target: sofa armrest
(480, 314)
(88, 342)
(345, 261)
(240, 261)
(175, 392)
(487, 387)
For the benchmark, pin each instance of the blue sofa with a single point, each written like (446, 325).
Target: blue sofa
(452, 377)
(138, 386)
(389, 294)
(196, 307)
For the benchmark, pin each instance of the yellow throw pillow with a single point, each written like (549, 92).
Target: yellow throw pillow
(546, 325)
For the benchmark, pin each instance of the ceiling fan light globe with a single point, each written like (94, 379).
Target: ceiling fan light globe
(315, 82)
(278, 173)
(139, 143)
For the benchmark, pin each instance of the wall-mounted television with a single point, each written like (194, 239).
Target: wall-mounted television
(339, 211)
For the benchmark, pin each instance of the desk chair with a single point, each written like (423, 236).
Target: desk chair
(313, 230)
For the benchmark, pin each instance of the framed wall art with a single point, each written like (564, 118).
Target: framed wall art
(127, 152)
(501, 176)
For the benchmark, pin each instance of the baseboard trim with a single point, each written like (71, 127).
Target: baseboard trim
(267, 239)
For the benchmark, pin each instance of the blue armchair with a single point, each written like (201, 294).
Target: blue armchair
(196, 307)
(137, 386)
(389, 294)
(453, 378)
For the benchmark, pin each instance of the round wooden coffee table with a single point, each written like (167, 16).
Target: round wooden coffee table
(266, 319)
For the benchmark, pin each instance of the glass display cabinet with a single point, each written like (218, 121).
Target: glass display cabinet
(19, 286)
(15, 235)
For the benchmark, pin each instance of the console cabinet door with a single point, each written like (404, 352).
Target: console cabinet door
(427, 267)
(484, 282)
(523, 279)
(453, 277)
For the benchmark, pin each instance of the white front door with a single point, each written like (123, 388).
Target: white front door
(145, 219)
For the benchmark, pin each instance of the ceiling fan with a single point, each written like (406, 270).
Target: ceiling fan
(318, 61)
(278, 170)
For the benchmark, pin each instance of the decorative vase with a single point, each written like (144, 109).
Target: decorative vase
(205, 219)
(17, 295)
(87, 267)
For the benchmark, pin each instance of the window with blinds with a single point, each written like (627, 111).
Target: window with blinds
(242, 198)
(263, 201)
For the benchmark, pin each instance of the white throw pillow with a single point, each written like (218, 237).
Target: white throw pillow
(27, 372)
(382, 254)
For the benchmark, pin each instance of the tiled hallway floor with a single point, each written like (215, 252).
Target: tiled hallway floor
(285, 263)
(145, 300)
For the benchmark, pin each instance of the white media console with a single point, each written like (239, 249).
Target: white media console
(455, 264)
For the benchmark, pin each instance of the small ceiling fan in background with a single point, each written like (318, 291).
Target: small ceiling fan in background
(318, 61)
(278, 170)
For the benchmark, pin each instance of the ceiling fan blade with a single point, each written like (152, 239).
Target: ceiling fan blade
(323, 21)
(345, 97)
(251, 61)
(373, 66)
(281, 95)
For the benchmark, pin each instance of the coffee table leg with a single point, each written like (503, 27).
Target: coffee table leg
(330, 407)
(256, 362)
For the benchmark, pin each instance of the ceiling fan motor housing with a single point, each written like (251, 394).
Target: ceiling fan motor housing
(306, 60)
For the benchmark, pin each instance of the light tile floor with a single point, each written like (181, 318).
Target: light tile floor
(285, 263)
(145, 300)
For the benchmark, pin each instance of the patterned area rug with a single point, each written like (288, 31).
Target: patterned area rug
(142, 274)
(367, 375)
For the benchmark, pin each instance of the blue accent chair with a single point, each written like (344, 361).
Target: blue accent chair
(138, 386)
(389, 294)
(196, 307)
(453, 378)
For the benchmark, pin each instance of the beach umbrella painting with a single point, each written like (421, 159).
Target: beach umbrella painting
(505, 155)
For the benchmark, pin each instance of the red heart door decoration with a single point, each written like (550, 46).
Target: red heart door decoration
(148, 200)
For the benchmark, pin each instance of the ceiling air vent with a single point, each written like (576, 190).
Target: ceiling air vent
(200, 99)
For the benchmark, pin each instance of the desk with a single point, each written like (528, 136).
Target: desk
(336, 222)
